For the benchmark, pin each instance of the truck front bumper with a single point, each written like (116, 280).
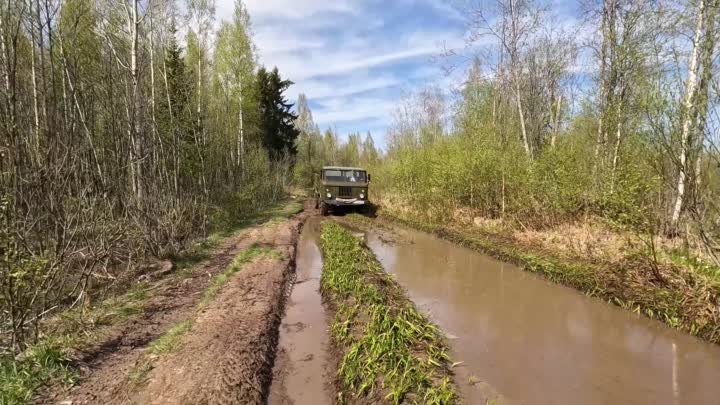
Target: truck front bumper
(344, 202)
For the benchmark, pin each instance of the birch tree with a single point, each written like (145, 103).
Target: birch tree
(694, 104)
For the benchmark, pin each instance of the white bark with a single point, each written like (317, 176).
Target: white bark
(556, 125)
(176, 157)
(3, 50)
(526, 143)
(134, 128)
(241, 140)
(687, 116)
(616, 152)
(152, 81)
(36, 112)
(81, 114)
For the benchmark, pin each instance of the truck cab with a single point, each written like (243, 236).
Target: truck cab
(338, 187)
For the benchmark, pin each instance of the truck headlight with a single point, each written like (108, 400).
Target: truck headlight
(329, 195)
(362, 196)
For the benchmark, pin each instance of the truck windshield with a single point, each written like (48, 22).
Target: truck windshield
(353, 176)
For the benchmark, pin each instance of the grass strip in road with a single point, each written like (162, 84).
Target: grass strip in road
(390, 352)
(168, 341)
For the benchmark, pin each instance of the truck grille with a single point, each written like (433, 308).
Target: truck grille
(345, 192)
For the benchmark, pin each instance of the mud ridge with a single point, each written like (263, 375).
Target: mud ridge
(227, 354)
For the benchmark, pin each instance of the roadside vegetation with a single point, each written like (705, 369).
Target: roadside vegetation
(122, 145)
(390, 353)
(607, 180)
(79, 327)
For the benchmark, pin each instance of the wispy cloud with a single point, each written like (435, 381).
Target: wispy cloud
(352, 58)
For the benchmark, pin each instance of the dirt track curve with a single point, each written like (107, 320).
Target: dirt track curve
(226, 357)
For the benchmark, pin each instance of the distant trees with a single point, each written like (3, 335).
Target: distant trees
(315, 150)
(622, 124)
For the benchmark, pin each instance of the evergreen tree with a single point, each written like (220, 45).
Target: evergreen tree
(277, 124)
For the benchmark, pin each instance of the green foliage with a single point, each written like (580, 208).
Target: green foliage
(390, 350)
(21, 377)
(316, 150)
(483, 166)
(20, 274)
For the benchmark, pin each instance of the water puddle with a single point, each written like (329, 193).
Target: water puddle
(524, 340)
(300, 375)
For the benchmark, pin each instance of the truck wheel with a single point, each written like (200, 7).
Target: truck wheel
(324, 209)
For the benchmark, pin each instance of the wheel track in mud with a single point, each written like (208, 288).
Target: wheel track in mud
(232, 343)
(241, 370)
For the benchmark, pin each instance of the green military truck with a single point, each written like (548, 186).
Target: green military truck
(341, 187)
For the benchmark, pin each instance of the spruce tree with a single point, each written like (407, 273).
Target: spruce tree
(277, 126)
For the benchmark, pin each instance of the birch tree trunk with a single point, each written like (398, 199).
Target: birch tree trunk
(241, 140)
(135, 150)
(35, 140)
(175, 140)
(687, 117)
(556, 126)
(523, 130)
(607, 20)
(151, 47)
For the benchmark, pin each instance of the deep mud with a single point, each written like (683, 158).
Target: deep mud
(227, 355)
(524, 340)
(302, 373)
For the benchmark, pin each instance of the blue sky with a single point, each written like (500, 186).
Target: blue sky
(353, 58)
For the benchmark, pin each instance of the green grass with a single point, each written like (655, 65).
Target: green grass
(45, 361)
(391, 352)
(138, 374)
(49, 360)
(227, 227)
(708, 270)
(169, 340)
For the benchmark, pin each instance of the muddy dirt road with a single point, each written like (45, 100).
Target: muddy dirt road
(524, 340)
(207, 337)
(262, 335)
(302, 372)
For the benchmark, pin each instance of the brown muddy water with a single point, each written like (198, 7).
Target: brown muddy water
(301, 368)
(524, 340)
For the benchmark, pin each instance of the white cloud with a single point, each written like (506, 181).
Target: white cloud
(341, 109)
(317, 89)
(350, 57)
(288, 9)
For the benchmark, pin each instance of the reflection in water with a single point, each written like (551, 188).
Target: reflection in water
(535, 342)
